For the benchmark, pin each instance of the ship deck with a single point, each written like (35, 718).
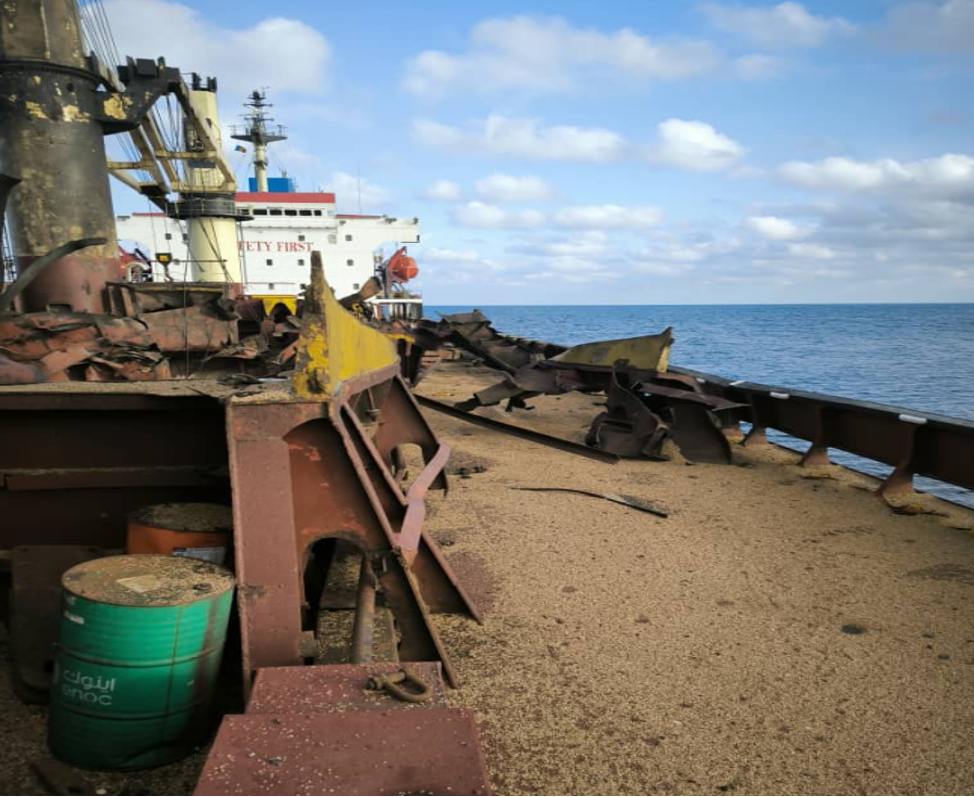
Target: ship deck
(704, 652)
(782, 631)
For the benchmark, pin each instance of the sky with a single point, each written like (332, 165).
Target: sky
(617, 152)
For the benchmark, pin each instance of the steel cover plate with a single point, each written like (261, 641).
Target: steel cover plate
(335, 687)
(426, 751)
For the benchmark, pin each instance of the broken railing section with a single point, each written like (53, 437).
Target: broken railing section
(911, 442)
(645, 405)
(325, 465)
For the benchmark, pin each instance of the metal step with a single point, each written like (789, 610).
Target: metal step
(428, 750)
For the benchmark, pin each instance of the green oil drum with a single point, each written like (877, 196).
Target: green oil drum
(139, 649)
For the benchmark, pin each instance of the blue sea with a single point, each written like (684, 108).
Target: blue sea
(919, 356)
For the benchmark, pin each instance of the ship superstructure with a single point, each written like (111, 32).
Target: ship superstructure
(283, 226)
(275, 246)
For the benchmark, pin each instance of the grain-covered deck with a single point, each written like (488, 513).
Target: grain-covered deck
(782, 631)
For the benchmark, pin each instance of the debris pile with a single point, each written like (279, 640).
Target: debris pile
(646, 404)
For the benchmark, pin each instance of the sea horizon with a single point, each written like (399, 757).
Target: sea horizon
(714, 304)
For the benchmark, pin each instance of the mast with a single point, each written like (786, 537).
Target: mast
(259, 133)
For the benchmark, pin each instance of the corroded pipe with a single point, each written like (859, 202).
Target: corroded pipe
(362, 630)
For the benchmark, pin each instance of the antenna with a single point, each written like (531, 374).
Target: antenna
(259, 132)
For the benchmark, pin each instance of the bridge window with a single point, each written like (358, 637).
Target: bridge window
(270, 262)
(290, 213)
(260, 211)
(349, 262)
(300, 237)
(304, 212)
(300, 262)
(348, 237)
(317, 212)
(275, 211)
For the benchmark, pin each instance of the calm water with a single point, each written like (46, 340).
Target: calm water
(919, 356)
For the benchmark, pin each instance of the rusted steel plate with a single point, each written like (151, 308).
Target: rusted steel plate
(424, 751)
(195, 328)
(87, 478)
(335, 687)
(35, 611)
(74, 462)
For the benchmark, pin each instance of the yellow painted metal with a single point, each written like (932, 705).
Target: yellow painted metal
(270, 302)
(334, 344)
(649, 352)
(211, 240)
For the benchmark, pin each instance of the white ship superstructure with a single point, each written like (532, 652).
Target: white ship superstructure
(276, 241)
(275, 247)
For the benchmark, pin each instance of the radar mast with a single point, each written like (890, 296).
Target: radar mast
(259, 131)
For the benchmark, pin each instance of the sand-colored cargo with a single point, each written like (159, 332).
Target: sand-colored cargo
(776, 633)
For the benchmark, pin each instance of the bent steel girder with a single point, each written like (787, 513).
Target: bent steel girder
(321, 463)
(303, 472)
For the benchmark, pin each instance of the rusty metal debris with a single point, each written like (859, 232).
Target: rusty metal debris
(474, 333)
(644, 408)
(701, 412)
(518, 431)
(645, 404)
(624, 500)
(34, 270)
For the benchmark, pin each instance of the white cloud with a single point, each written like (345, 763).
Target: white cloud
(242, 59)
(696, 146)
(482, 215)
(522, 138)
(776, 229)
(446, 255)
(354, 194)
(549, 54)
(758, 66)
(784, 25)
(509, 188)
(811, 251)
(948, 176)
(442, 190)
(608, 216)
(932, 27)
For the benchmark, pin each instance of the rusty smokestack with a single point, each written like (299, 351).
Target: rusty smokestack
(51, 138)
